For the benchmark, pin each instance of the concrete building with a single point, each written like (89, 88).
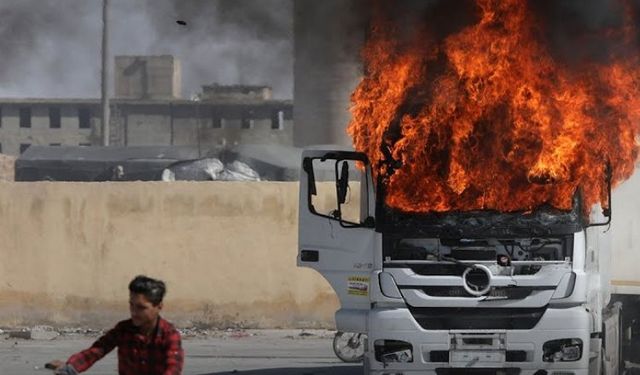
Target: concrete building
(328, 38)
(148, 77)
(147, 110)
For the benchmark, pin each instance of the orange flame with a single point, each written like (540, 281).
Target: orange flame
(487, 119)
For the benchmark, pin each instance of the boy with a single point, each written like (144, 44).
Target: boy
(147, 344)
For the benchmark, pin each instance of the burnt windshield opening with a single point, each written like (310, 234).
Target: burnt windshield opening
(544, 221)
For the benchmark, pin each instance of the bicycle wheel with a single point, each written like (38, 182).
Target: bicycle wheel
(348, 346)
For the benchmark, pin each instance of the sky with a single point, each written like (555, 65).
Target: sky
(51, 48)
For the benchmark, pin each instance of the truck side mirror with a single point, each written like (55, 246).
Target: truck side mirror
(307, 165)
(342, 183)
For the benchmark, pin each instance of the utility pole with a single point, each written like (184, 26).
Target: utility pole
(105, 73)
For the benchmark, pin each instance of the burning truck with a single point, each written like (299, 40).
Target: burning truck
(469, 232)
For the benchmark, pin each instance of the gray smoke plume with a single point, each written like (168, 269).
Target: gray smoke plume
(51, 48)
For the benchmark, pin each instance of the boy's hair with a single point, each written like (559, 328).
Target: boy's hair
(154, 290)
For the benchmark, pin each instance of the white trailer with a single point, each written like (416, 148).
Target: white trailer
(466, 293)
(624, 280)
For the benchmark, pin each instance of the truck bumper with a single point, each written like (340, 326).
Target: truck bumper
(434, 351)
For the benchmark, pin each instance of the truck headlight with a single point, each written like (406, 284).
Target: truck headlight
(390, 351)
(563, 350)
(401, 356)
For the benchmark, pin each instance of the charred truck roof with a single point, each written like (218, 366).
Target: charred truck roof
(544, 221)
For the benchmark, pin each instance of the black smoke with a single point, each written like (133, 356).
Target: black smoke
(586, 31)
(575, 31)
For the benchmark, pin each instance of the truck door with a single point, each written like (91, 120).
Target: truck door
(336, 229)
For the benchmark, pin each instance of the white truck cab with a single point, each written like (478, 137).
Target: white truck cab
(457, 293)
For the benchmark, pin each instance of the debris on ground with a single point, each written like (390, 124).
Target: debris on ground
(34, 333)
(312, 333)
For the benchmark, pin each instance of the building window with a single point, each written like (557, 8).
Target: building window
(0, 148)
(24, 147)
(247, 120)
(54, 144)
(247, 123)
(216, 122)
(277, 120)
(54, 117)
(84, 118)
(25, 117)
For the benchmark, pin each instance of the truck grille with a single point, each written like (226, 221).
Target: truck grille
(442, 269)
(442, 356)
(453, 291)
(477, 371)
(476, 318)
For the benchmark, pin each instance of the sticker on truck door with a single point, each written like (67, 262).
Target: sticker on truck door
(358, 286)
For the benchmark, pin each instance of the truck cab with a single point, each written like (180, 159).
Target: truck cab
(460, 292)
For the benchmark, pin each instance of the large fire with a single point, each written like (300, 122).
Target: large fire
(488, 119)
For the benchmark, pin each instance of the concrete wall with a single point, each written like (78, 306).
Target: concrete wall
(226, 250)
(260, 132)
(191, 126)
(148, 126)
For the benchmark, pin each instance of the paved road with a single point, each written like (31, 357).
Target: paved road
(277, 352)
